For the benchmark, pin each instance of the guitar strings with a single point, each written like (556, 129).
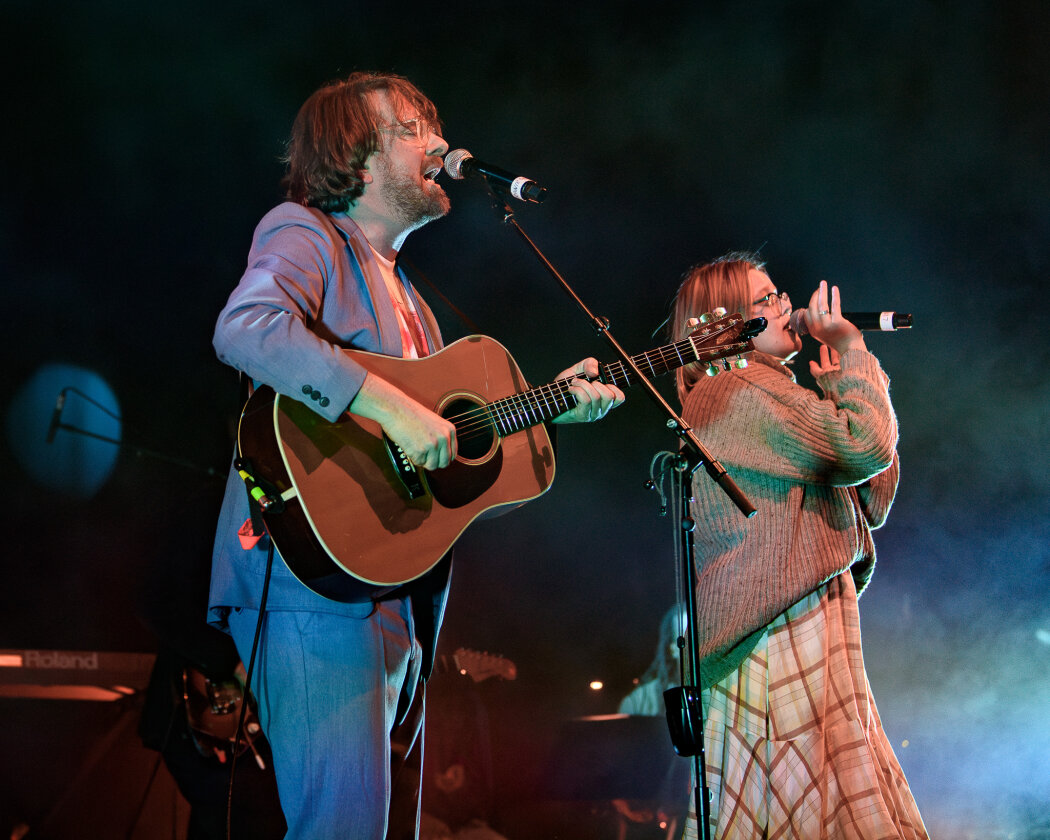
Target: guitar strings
(528, 408)
(482, 419)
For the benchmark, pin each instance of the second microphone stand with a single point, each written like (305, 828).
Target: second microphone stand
(684, 712)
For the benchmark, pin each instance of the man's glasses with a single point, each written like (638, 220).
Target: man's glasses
(782, 299)
(414, 128)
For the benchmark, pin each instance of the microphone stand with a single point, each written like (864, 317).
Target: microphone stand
(686, 718)
(139, 451)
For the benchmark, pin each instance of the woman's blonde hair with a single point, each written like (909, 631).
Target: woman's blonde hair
(720, 283)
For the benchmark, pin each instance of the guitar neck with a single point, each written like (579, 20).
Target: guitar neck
(520, 411)
(653, 362)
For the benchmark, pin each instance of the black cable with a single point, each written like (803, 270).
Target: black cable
(247, 687)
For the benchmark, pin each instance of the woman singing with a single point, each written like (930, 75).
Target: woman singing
(793, 741)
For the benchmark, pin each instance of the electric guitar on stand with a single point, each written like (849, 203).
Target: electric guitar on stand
(213, 710)
(213, 706)
(346, 509)
(478, 665)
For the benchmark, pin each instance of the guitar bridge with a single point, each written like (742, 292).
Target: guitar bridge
(405, 470)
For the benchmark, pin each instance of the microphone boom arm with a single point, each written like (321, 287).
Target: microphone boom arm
(693, 449)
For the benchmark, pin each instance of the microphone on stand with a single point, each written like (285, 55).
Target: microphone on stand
(868, 321)
(56, 415)
(460, 162)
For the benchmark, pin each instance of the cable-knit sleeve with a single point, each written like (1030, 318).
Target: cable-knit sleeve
(759, 418)
(863, 433)
(876, 495)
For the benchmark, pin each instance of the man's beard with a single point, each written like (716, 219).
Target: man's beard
(413, 205)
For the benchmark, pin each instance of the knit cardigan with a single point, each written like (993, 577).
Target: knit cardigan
(822, 472)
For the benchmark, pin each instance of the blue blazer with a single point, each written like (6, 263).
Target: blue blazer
(312, 288)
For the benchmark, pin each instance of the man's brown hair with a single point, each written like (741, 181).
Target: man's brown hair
(336, 130)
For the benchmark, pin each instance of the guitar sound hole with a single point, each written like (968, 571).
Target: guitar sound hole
(475, 436)
(479, 456)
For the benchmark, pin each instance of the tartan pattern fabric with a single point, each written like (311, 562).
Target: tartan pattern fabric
(793, 741)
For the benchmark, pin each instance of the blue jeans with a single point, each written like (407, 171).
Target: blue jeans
(330, 690)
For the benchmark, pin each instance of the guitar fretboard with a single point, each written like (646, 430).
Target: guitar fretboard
(659, 361)
(520, 411)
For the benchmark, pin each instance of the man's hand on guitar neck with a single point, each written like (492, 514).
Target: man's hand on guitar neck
(594, 399)
(428, 439)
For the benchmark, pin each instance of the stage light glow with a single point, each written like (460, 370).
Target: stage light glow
(64, 428)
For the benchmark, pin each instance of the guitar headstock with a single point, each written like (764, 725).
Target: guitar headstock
(717, 336)
(480, 666)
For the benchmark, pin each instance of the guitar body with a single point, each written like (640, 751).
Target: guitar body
(350, 524)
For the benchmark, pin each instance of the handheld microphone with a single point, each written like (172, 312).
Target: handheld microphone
(56, 415)
(460, 162)
(869, 321)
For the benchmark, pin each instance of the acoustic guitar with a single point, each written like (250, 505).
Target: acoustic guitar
(347, 511)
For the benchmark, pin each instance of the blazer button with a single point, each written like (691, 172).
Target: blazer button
(307, 389)
(315, 395)
(323, 402)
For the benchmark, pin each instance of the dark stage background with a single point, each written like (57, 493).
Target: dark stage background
(897, 149)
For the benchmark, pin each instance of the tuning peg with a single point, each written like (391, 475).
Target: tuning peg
(720, 312)
(712, 369)
(693, 322)
(705, 318)
(740, 362)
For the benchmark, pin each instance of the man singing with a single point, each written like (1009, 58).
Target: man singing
(334, 679)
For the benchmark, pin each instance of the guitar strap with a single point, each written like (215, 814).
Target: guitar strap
(254, 528)
(412, 270)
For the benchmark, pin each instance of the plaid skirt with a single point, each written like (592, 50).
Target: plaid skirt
(794, 744)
